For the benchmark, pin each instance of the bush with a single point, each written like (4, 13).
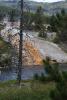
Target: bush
(36, 76)
(42, 33)
(42, 77)
(56, 40)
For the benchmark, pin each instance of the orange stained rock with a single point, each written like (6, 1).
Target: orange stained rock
(34, 53)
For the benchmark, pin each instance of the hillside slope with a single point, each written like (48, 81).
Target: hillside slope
(49, 8)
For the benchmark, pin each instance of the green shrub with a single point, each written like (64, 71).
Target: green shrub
(36, 76)
(42, 77)
(56, 40)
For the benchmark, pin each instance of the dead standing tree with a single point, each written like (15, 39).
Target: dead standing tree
(20, 44)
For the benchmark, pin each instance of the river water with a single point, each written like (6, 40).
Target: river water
(26, 73)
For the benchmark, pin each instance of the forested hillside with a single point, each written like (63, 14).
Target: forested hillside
(49, 8)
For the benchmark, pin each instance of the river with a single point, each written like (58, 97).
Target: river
(26, 73)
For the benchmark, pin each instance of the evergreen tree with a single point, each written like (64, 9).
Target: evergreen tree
(58, 24)
(12, 16)
(38, 18)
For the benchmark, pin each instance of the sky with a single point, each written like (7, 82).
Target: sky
(46, 0)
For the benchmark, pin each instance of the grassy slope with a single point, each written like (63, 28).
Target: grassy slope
(31, 90)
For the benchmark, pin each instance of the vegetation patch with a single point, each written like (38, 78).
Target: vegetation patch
(34, 91)
(5, 53)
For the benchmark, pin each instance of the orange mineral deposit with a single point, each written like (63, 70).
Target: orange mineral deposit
(34, 53)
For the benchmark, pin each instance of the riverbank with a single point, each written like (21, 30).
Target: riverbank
(29, 90)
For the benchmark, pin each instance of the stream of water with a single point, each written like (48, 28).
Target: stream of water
(26, 73)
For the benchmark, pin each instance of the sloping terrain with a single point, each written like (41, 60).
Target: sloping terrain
(49, 49)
